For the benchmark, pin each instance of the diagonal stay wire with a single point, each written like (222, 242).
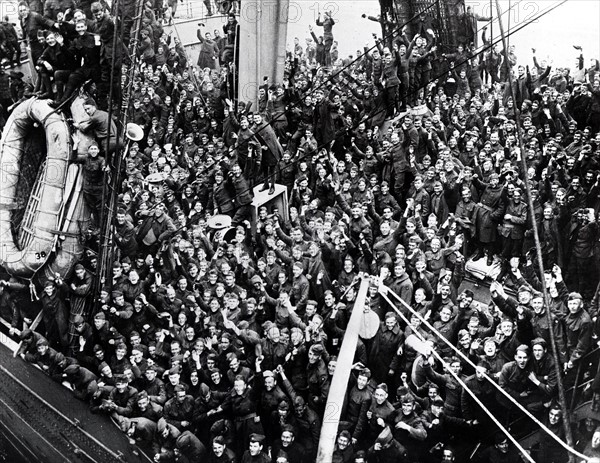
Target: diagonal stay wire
(486, 47)
(312, 90)
(486, 376)
(457, 64)
(458, 379)
(497, 18)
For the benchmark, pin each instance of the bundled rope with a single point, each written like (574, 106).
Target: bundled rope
(32, 291)
(384, 290)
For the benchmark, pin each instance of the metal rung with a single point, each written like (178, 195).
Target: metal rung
(44, 182)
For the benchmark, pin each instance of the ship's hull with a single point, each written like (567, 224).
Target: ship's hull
(43, 422)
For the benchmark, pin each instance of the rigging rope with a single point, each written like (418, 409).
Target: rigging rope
(432, 79)
(461, 382)
(109, 193)
(566, 446)
(538, 247)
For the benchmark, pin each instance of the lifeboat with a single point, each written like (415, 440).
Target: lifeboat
(41, 202)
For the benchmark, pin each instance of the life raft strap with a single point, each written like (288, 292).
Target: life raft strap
(58, 232)
(31, 232)
(11, 206)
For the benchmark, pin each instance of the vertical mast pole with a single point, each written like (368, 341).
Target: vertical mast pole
(112, 180)
(561, 389)
(339, 383)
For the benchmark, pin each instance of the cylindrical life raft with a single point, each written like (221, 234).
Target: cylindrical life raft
(76, 215)
(37, 217)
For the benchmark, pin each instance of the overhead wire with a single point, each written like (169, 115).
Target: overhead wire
(499, 15)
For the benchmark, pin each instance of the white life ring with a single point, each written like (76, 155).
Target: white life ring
(46, 203)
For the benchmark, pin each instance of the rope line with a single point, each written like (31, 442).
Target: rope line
(464, 386)
(538, 247)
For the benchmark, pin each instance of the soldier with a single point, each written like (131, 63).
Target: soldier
(255, 453)
(86, 48)
(31, 23)
(11, 42)
(55, 314)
